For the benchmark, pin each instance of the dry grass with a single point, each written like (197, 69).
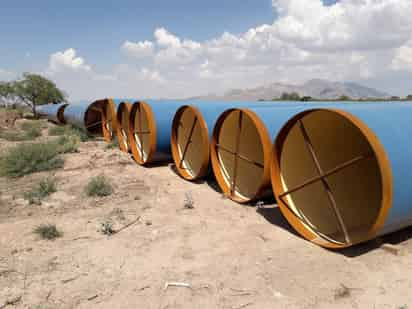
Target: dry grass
(48, 231)
(99, 186)
(29, 158)
(45, 187)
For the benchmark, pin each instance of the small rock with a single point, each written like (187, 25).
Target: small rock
(395, 250)
(148, 222)
(137, 198)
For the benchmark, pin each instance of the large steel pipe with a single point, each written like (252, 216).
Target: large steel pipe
(123, 116)
(242, 146)
(341, 175)
(150, 128)
(86, 116)
(192, 129)
(53, 112)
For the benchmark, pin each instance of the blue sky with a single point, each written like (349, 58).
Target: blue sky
(81, 44)
(97, 28)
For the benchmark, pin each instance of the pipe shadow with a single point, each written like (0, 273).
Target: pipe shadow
(173, 168)
(395, 238)
(157, 164)
(160, 163)
(212, 183)
(273, 215)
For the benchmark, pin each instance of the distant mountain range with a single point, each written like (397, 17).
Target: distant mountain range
(315, 88)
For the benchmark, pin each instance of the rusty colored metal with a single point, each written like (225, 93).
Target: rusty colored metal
(123, 117)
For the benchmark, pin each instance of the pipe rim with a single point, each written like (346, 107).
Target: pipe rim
(204, 139)
(266, 148)
(109, 119)
(97, 106)
(384, 169)
(60, 113)
(152, 132)
(122, 135)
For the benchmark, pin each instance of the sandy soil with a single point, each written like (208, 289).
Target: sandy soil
(231, 256)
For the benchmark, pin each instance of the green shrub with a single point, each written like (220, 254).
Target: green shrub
(67, 144)
(57, 130)
(30, 158)
(45, 187)
(32, 133)
(30, 125)
(69, 130)
(106, 228)
(12, 136)
(47, 231)
(84, 137)
(99, 186)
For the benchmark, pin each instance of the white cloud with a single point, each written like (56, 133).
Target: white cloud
(403, 58)
(67, 61)
(349, 24)
(139, 49)
(356, 40)
(165, 39)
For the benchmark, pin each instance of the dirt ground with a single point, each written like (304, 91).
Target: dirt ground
(228, 255)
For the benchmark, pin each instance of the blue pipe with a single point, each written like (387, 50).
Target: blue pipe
(86, 116)
(151, 136)
(385, 128)
(75, 114)
(268, 121)
(52, 112)
(190, 143)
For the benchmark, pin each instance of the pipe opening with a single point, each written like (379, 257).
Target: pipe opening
(60, 114)
(94, 118)
(141, 127)
(190, 143)
(329, 177)
(240, 149)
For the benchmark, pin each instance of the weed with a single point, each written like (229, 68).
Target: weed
(99, 186)
(67, 144)
(30, 131)
(189, 203)
(342, 292)
(32, 134)
(57, 130)
(45, 187)
(69, 130)
(106, 228)
(84, 137)
(30, 158)
(12, 136)
(47, 231)
(30, 125)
